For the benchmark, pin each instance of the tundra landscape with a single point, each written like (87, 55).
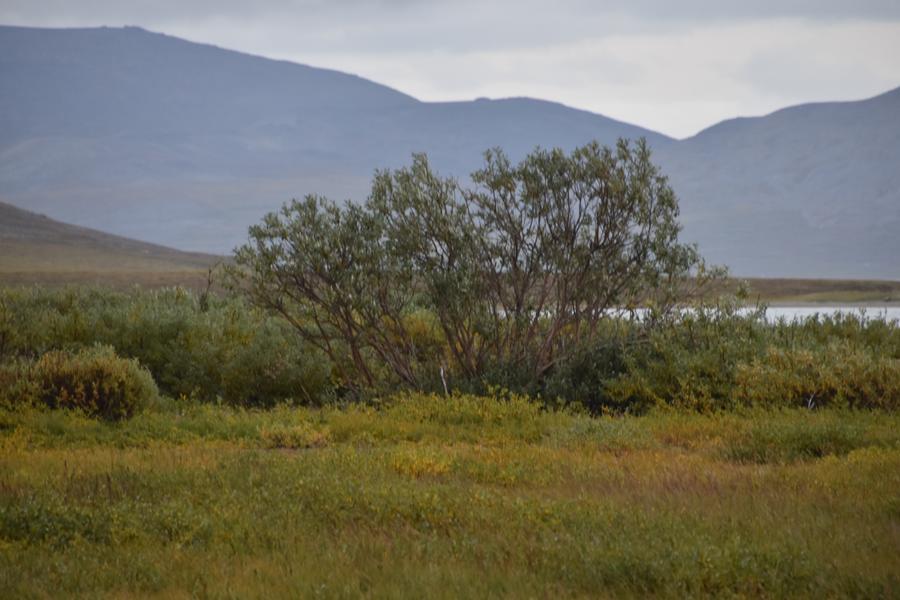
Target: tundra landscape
(270, 330)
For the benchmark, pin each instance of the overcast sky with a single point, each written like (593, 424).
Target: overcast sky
(675, 67)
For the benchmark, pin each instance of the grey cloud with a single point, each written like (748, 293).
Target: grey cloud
(652, 10)
(434, 24)
(779, 76)
(298, 27)
(761, 9)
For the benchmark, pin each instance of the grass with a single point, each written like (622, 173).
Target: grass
(35, 249)
(117, 280)
(464, 497)
(824, 291)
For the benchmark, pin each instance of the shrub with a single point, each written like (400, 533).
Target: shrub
(464, 409)
(218, 349)
(584, 376)
(719, 358)
(271, 367)
(837, 374)
(17, 383)
(690, 361)
(94, 380)
(710, 358)
(418, 463)
(293, 437)
(518, 269)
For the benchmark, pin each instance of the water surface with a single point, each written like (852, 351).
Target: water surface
(793, 313)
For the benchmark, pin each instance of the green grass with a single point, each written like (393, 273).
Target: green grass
(435, 497)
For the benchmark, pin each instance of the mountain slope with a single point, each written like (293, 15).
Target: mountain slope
(34, 243)
(812, 189)
(186, 144)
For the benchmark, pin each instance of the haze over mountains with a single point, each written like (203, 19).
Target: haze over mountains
(183, 144)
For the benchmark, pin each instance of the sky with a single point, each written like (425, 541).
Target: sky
(672, 66)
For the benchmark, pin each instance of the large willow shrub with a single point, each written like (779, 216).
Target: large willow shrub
(518, 270)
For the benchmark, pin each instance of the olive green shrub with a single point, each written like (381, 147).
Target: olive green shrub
(518, 269)
(94, 380)
(217, 349)
(837, 374)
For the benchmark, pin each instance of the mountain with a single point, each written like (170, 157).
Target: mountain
(186, 144)
(35, 248)
(809, 190)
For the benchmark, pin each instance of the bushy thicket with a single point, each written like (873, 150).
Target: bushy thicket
(720, 357)
(707, 358)
(215, 349)
(93, 380)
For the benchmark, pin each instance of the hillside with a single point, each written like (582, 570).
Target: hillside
(153, 137)
(811, 190)
(156, 138)
(37, 249)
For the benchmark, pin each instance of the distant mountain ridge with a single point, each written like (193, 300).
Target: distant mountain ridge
(185, 144)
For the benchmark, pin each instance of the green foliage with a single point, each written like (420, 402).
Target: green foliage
(689, 361)
(711, 357)
(220, 348)
(836, 374)
(93, 380)
(517, 271)
(293, 437)
(721, 357)
(18, 385)
(584, 377)
(499, 409)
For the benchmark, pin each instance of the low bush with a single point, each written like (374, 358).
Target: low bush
(716, 357)
(464, 409)
(838, 374)
(688, 362)
(93, 380)
(293, 437)
(217, 349)
(17, 383)
(583, 377)
(724, 358)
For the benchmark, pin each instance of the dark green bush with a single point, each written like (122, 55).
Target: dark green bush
(94, 380)
(584, 376)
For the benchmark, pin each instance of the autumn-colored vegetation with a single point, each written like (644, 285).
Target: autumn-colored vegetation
(427, 496)
(529, 388)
